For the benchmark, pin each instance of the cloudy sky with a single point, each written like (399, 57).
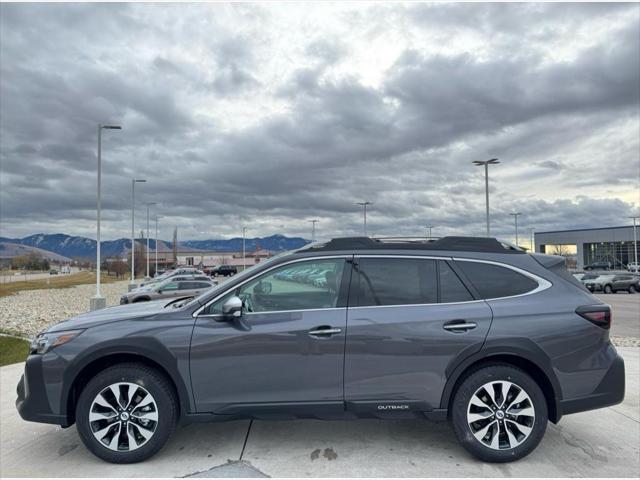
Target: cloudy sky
(271, 115)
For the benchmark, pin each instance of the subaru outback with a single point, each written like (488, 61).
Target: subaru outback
(470, 330)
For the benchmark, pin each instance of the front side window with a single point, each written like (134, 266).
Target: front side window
(396, 281)
(494, 281)
(298, 286)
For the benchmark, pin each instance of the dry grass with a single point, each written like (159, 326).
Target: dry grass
(61, 281)
(13, 350)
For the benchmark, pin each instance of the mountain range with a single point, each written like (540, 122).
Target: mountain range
(74, 247)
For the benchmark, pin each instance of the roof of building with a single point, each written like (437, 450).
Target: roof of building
(586, 229)
(474, 244)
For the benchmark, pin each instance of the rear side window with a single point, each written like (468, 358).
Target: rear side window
(401, 281)
(451, 287)
(493, 281)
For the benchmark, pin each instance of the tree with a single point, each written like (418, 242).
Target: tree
(561, 250)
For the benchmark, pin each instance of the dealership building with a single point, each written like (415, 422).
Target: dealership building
(608, 244)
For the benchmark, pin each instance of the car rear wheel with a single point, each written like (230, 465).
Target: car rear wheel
(126, 413)
(608, 289)
(499, 413)
(632, 289)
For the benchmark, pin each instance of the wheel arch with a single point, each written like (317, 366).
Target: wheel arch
(84, 372)
(531, 359)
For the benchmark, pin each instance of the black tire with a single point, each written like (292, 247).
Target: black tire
(608, 289)
(156, 384)
(461, 403)
(632, 289)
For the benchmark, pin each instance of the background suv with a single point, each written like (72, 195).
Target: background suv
(224, 270)
(472, 330)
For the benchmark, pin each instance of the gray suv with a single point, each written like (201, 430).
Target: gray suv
(471, 330)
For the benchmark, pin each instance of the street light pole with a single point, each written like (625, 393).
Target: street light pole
(155, 272)
(430, 227)
(132, 284)
(533, 242)
(635, 241)
(147, 255)
(364, 205)
(486, 163)
(313, 229)
(99, 301)
(244, 263)
(515, 216)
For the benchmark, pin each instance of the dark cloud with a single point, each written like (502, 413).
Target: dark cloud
(236, 114)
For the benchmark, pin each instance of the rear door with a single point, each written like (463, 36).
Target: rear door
(408, 318)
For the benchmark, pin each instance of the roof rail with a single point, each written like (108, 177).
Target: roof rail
(473, 244)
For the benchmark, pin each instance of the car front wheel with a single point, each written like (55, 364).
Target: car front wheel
(126, 413)
(632, 289)
(608, 289)
(499, 413)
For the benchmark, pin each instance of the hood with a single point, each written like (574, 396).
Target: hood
(112, 314)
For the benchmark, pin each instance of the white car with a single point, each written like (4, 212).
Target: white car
(633, 267)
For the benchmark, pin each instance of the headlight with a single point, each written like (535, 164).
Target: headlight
(46, 341)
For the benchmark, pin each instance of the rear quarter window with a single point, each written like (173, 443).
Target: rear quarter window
(494, 281)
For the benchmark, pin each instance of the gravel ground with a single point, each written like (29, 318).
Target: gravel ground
(31, 311)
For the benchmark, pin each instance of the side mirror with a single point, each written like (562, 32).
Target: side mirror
(160, 291)
(232, 307)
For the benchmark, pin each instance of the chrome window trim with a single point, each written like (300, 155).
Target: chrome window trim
(297, 260)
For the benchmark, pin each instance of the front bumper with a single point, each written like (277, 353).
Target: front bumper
(32, 402)
(609, 392)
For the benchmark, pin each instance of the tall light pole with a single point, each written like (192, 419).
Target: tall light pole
(515, 217)
(364, 205)
(147, 255)
(430, 227)
(99, 301)
(533, 242)
(156, 269)
(244, 263)
(313, 229)
(486, 163)
(132, 284)
(635, 241)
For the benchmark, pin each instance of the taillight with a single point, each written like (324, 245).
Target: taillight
(599, 315)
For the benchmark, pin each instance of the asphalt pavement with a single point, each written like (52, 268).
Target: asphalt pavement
(626, 313)
(600, 443)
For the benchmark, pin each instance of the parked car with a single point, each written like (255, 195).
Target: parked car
(53, 271)
(224, 271)
(171, 274)
(602, 283)
(599, 266)
(472, 330)
(633, 267)
(625, 283)
(186, 287)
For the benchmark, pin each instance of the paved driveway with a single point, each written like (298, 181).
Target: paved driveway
(594, 444)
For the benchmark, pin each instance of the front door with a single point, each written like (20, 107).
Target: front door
(286, 352)
(406, 323)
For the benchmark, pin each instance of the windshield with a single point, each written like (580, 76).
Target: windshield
(245, 273)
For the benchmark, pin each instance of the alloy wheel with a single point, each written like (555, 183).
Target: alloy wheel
(501, 415)
(123, 416)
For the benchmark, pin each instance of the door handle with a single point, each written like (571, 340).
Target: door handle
(324, 330)
(459, 326)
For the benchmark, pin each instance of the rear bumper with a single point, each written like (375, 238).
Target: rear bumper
(32, 402)
(609, 392)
